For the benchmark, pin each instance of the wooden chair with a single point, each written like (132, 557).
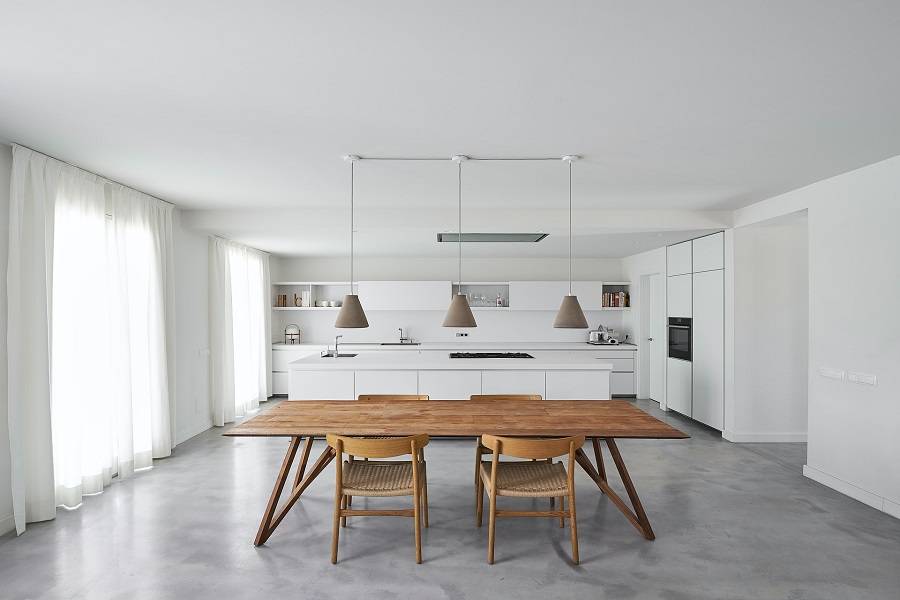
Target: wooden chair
(379, 479)
(539, 477)
(481, 449)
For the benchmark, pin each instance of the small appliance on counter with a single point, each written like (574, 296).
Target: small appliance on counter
(603, 336)
(292, 334)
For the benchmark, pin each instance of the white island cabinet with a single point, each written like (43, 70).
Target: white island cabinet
(553, 375)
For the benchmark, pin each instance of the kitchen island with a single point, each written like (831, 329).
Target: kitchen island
(555, 375)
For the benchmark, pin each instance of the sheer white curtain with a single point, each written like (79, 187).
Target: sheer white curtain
(239, 329)
(109, 356)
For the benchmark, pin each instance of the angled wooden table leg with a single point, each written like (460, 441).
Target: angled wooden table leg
(273, 515)
(636, 517)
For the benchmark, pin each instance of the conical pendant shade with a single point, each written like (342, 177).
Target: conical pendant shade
(570, 315)
(351, 315)
(459, 314)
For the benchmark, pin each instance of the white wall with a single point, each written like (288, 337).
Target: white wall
(854, 292)
(645, 263)
(6, 511)
(192, 402)
(771, 334)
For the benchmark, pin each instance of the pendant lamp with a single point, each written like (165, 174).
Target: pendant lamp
(570, 315)
(351, 315)
(459, 314)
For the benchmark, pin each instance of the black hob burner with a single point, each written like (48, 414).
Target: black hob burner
(490, 355)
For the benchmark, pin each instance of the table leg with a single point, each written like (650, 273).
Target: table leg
(273, 515)
(636, 517)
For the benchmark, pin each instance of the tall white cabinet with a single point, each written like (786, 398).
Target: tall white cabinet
(696, 289)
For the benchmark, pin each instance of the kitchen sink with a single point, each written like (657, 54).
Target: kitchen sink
(341, 355)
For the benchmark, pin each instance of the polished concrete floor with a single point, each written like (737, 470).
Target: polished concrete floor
(732, 521)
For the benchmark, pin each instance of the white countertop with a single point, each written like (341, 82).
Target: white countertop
(464, 346)
(415, 361)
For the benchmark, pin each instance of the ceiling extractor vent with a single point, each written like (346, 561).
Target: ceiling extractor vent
(491, 237)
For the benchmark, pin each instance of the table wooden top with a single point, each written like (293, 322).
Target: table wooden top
(596, 418)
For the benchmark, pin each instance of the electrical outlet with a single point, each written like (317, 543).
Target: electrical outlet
(831, 373)
(864, 378)
(462, 334)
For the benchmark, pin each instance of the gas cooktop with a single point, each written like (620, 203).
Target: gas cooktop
(490, 355)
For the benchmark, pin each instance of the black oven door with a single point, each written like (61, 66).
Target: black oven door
(680, 338)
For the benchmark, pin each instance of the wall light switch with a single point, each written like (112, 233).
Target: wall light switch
(831, 373)
(865, 378)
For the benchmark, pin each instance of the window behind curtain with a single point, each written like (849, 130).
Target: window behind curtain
(109, 377)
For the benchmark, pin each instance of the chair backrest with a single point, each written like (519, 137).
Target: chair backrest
(536, 448)
(391, 397)
(502, 397)
(377, 448)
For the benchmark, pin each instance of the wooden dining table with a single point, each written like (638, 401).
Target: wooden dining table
(600, 421)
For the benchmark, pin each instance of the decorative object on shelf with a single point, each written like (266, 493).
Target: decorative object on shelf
(281, 300)
(460, 313)
(298, 301)
(306, 298)
(570, 315)
(351, 315)
(292, 334)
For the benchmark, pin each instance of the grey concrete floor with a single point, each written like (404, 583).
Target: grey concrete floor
(732, 521)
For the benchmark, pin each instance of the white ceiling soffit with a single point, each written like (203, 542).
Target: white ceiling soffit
(686, 105)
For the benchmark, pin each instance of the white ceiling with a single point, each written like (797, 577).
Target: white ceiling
(690, 105)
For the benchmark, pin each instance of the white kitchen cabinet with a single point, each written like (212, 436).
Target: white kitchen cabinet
(282, 356)
(709, 253)
(513, 382)
(404, 295)
(279, 384)
(678, 259)
(321, 385)
(536, 295)
(678, 296)
(548, 295)
(621, 384)
(590, 294)
(386, 382)
(578, 385)
(708, 348)
(449, 385)
(678, 385)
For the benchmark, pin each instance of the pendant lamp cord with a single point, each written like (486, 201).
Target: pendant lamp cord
(459, 220)
(570, 227)
(351, 227)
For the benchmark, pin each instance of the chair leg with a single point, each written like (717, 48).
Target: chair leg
(344, 504)
(573, 526)
(477, 463)
(418, 524)
(425, 496)
(492, 523)
(562, 508)
(336, 527)
(479, 502)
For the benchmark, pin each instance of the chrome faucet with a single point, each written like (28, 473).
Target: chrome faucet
(403, 339)
(336, 339)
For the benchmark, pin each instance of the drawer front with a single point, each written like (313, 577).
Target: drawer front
(386, 382)
(578, 385)
(279, 383)
(623, 365)
(621, 384)
(281, 358)
(449, 385)
(320, 385)
(513, 382)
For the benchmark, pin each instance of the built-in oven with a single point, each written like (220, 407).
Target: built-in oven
(680, 338)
